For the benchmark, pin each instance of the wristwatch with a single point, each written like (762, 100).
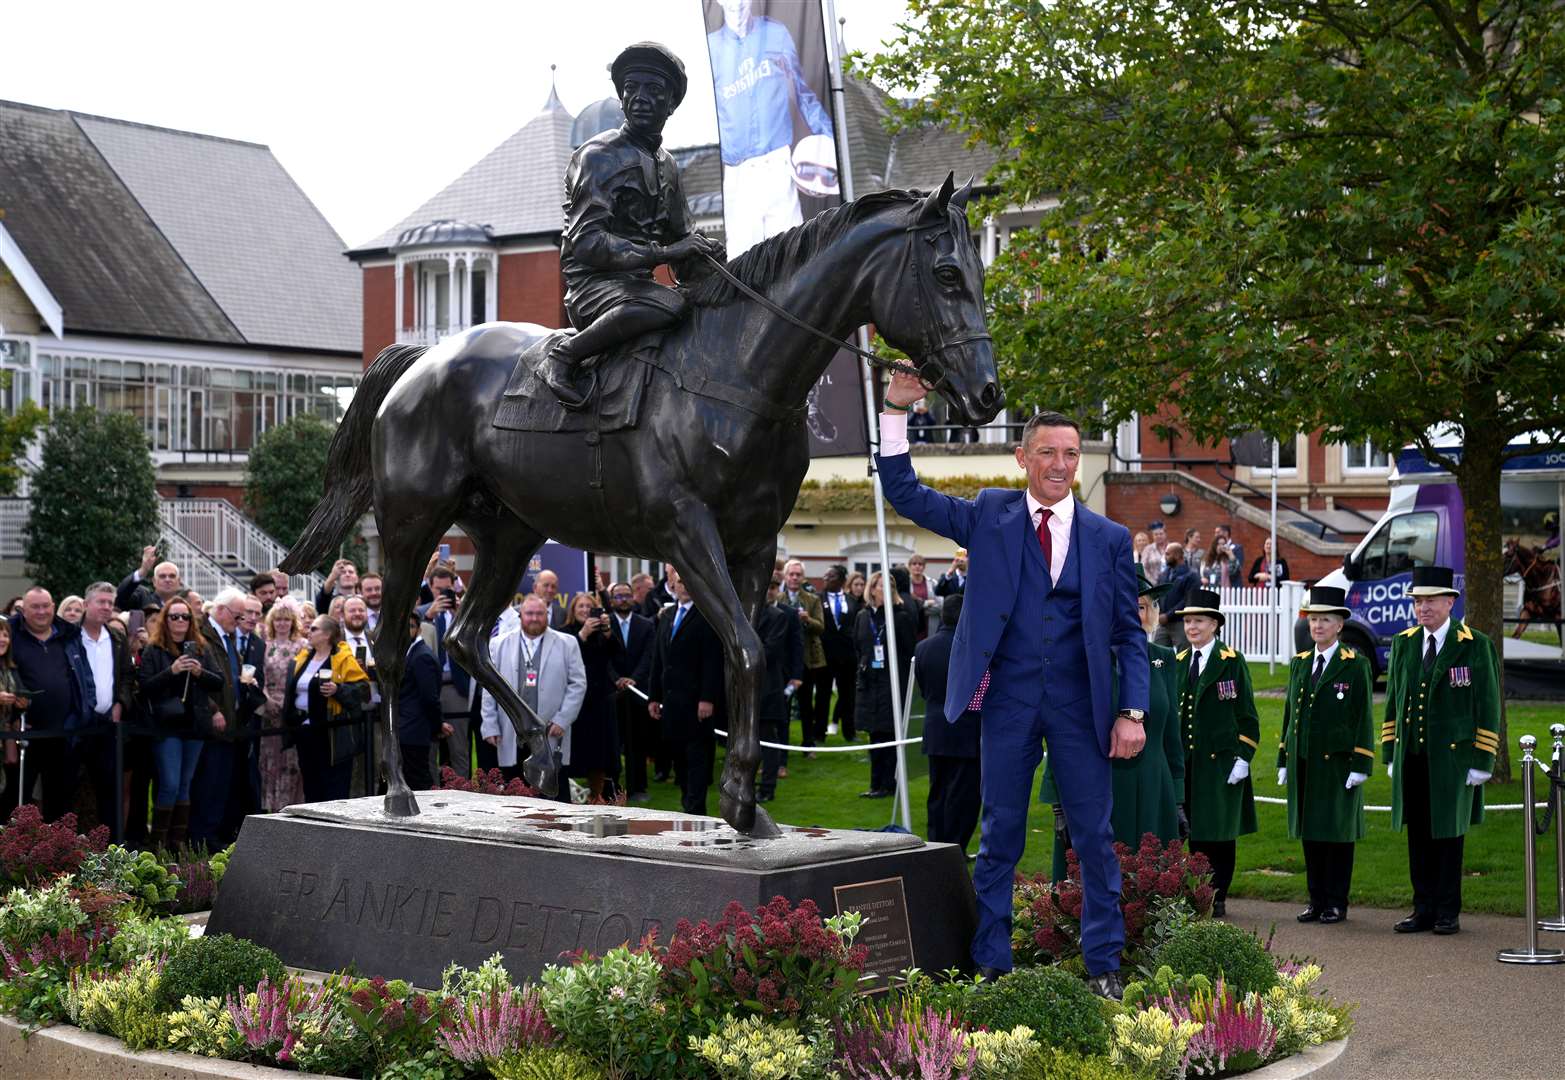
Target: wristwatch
(1135, 715)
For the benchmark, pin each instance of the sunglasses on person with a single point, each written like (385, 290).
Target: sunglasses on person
(177, 618)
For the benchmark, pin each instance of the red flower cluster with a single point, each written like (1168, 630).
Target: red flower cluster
(492, 782)
(32, 852)
(1046, 922)
(778, 960)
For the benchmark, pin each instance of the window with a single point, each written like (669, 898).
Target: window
(480, 294)
(1405, 542)
(1365, 457)
(1287, 457)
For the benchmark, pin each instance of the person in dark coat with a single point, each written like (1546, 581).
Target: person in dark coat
(1325, 755)
(840, 608)
(227, 785)
(782, 642)
(686, 692)
(594, 735)
(873, 702)
(951, 746)
(419, 722)
(182, 685)
(631, 634)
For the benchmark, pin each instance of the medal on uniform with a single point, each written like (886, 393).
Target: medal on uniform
(1341, 689)
(1227, 690)
(1461, 676)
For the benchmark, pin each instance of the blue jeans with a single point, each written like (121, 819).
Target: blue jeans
(176, 763)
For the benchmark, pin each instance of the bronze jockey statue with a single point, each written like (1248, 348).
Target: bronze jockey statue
(625, 214)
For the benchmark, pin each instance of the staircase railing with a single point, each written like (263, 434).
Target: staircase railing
(219, 527)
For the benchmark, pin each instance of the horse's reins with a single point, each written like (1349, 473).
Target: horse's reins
(930, 371)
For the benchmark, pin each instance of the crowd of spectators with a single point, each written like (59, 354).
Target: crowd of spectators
(258, 698)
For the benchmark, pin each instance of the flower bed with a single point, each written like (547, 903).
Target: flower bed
(88, 938)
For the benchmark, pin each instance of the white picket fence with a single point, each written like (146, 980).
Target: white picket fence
(1260, 620)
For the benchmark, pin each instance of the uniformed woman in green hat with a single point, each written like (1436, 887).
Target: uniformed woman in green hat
(1326, 754)
(1147, 788)
(1219, 733)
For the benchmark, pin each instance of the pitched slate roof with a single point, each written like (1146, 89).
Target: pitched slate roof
(91, 241)
(150, 232)
(517, 189)
(247, 231)
(921, 157)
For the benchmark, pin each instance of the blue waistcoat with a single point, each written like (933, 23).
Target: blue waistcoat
(1042, 644)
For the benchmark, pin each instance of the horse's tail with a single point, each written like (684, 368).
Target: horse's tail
(349, 483)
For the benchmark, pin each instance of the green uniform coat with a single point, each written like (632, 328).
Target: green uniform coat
(1147, 788)
(1218, 724)
(1452, 715)
(1327, 733)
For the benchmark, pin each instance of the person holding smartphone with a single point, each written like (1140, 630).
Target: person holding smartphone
(594, 735)
(327, 691)
(181, 685)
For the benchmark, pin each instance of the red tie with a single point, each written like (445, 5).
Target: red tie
(1045, 539)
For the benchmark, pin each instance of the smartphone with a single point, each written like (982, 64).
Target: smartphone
(445, 552)
(361, 654)
(189, 648)
(597, 613)
(449, 594)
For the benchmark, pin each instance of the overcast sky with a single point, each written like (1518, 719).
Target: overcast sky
(372, 107)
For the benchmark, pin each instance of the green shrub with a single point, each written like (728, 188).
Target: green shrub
(1003, 1055)
(1152, 1042)
(1055, 1064)
(948, 992)
(1220, 950)
(147, 936)
(137, 874)
(609, 1009)
(203, 1026)
(218, 864)
(1163, 985)
(123, 1005)
(1059, 1008)
(755, 1049)
(546, 1063)
(216, 966)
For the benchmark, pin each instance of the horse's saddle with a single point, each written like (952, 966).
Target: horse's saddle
(619, 381)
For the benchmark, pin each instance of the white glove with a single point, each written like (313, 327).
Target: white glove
(1388, 770)
(1240, 770)
(1282, 776)
(1476, 777)
(1355, 779)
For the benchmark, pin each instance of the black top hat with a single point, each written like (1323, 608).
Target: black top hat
(1325, 600)
(651, 55)
(1434, 581)
(1149, 590)
(1203, 602)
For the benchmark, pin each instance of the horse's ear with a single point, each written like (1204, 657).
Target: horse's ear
(934, 208)
(962, 194)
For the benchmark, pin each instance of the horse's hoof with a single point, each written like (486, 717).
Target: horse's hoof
(764, 828)
(544, 779)
(737, 812)
(400, 804)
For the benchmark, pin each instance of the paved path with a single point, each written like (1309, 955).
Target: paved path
(1430, 1008)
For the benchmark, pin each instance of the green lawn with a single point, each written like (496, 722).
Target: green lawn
(825, 792)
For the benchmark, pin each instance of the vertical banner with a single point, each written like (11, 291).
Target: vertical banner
(569, 565)
(778, 144)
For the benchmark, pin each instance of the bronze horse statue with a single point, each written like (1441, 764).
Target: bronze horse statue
(1540, 586)
(704, 480)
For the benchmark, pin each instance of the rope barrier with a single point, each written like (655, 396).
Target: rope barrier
(849, 749)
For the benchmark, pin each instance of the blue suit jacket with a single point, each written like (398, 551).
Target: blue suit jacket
(989, 528)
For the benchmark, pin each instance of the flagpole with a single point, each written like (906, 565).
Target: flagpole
(888, 585)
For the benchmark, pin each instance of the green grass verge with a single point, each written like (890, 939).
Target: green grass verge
(825, 791)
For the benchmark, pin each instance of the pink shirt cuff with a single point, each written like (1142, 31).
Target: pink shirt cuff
(893, 433)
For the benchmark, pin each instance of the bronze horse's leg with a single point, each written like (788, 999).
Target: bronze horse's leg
(406, 544)
(504, 545)
(701, 563)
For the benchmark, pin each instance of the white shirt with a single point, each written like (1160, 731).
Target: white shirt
(837, 604)
(530, 647)
(893, 433)
(301, 698)
(1059, 529)
(1205, 653)
(1438, 634)
(100, 657)
(1328, 652)
(354, 642)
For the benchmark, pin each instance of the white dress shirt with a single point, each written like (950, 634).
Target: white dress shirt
(1059, 529)
(1438, 634)
(893, 433)
(1205, 653)
(1328, 652)
(100, 657)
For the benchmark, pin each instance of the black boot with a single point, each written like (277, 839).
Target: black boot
(157, 839)
(559, 372)
(178, 826)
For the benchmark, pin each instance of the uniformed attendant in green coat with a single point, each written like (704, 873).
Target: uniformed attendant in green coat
(1438, 740)
(1149, 787)
(1328, 728)
(1220, 732)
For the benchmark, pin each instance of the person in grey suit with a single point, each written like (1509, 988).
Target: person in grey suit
(545, 668)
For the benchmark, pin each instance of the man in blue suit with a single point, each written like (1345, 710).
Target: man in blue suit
(952, 748)
(419, 722)
(1050, 604)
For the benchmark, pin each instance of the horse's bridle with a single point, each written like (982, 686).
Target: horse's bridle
(929, 370)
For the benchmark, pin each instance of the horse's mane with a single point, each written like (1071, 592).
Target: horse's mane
(778, 256)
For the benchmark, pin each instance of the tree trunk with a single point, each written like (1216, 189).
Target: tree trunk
(1484, 592)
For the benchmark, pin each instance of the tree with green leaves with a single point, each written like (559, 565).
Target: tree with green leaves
(286, 477)
(1283, 216)
(18, 429)
(94, 500)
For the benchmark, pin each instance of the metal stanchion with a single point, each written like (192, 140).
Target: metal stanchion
(119, 782)
(1557, 806)
(1530, 953)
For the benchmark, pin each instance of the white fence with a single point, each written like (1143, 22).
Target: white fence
(217, 527)
(1260, 620)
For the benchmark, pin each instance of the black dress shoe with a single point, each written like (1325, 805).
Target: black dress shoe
(1219, 909)
(1309, 914)
(991, 974)
(1332, 915)
(1453, 925)
(1415, 924)
(1109, 986)
(874, 793)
